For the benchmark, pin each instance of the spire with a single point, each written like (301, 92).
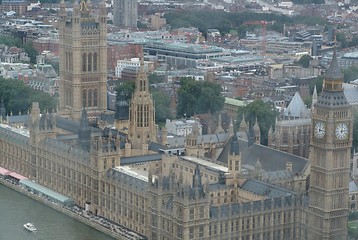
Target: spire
(231, 128)
(198, 190)
(334, 71)
(84, 133)
(256, 126)
(142, 80)
(234, 147)
(314, 98)
(219, 128)
(243, 125)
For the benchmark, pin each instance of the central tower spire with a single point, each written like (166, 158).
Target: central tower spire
(142, 114)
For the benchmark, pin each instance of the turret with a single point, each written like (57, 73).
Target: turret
(2, 112)
(219, 129)
(84, 133)
(197, 185)
(314, 97)
(231, 128)
(243, 125)
(257, 132)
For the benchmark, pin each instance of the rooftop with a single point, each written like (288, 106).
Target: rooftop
(207, 164)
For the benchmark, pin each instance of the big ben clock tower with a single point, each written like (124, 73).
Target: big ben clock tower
(330, 151)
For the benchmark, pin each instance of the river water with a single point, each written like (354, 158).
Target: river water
(17, 209)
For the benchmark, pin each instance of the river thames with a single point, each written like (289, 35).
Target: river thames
(17, 209)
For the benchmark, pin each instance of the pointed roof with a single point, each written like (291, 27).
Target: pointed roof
(84, 120)
(334, 71)
(256, 126)
(243, 125)
(234, 147)
(219, 129)
(296, 108)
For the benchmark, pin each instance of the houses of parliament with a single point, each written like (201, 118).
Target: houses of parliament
(216, 186)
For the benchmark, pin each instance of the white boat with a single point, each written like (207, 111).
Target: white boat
(30, 227)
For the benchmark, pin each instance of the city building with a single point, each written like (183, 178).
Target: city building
(183, 127)
(330, 151)
(182, 55)
(18, 6)
(245, 191)
(83, 65)
(125, 13)
(215, 186)
(132, 63)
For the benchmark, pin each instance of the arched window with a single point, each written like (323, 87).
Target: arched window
(67, 61)
(94, 61)
(84, 62)
(89, 68)
(71, 61)
(90, 98)
(95, 100)
(84, 98)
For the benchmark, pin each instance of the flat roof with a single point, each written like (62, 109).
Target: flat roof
(17, 176)
(4, 171)
(235, 102)
(22, 131)
(205, 163)
(46, 191)
(141, 175)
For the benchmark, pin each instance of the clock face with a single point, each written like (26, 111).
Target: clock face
(342, 131)
(319, 130)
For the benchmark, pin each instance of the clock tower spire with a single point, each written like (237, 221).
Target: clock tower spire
(330, 151)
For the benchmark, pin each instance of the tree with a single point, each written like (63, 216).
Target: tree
(155, 78)
(161, 100)
(195, 97)
(305, 61)
(16, 42)
(265, 117)
(31, 52)
(127, 88)
(351, 74)
(18, 97)
(162, 108)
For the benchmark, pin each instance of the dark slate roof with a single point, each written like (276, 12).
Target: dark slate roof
(332, 100)
(217, 186)
(153, 146)
(126, 177)
(270, 159)
(19, 119)
(70, 125)
(265, 189)
(351, 93)
(140, 159)
(64, 149)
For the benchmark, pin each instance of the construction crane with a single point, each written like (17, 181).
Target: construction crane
(263, 33)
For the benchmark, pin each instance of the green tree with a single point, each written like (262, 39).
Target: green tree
(155, 78)
(341, 37)
(196, 97)
(31, 52)
(127, 87)
(305, 61)
(162, 108)
(264, 113)
(16, 42)
(161, 100)
(18, 97)
(351, 73)
(355, 131)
